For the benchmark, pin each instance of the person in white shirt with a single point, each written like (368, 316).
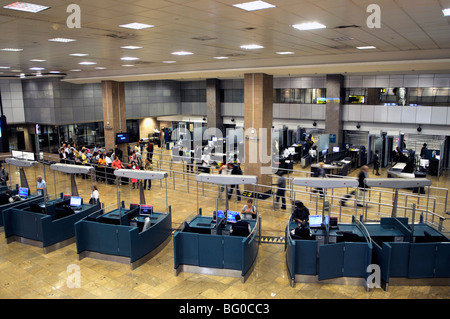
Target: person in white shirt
(94, 195)
(206, 160)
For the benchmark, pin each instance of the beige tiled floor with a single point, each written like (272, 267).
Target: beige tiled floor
(26, 272)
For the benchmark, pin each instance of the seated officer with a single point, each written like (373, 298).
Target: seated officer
(301, 212)
(240, 228)
(302, 232)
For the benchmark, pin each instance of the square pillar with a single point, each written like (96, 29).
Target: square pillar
(258, 120)
(114, 113)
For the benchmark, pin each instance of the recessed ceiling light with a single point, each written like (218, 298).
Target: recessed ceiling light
(369, 47)
(254, 5)
(22, 75)
(4, 67)
(37, 69)
(87, 63)
(131, 47)
(309, 26)
(251, 46)
(27, 7)
(285, 52)
(63, 40)
(136, 26)
(129, 65)
(169, 61)
(100, 68)
(37, 60)
(12, 49)
(446, 12)
(78, 54)
(55, 72)
(129, 58)
(75, 70)
(182, 53)
(220, 57)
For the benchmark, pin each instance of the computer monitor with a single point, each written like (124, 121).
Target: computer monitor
(217, 215)
(231, 216)
(146, 209)
(438, 157)
(333, 222)
(315, 221)
(335, 149)
(75, 201)
(133, 206)
(23, 192)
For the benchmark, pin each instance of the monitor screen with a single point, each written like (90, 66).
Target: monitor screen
(122, 138)
(218, 214)
(231, 216)
(438, 157)
(146, 209)
(133, 206)
(335, 149)
(23, 192)
(76, 201)
(315, 220)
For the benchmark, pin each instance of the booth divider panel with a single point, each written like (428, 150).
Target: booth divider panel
(422, 259)
(331, 261)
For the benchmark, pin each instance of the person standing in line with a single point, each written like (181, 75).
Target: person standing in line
(376, 163)
(41, 186)
(148, 167)
(281, 190)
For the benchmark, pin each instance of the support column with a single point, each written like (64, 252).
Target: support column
(213, 111)
(335, 101)
(114, 113)
(258, 120)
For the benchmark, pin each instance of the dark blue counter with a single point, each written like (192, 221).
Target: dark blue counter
(119, 237)
(209, 248)
(46, 228)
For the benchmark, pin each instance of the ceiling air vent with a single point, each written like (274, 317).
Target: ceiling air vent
(123, 36)
(347, 26)
(204, 38)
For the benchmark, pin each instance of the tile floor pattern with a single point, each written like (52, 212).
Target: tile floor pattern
(26, 272)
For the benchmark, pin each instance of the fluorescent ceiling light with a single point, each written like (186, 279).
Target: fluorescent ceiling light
(285, 53)
(100, 68)
(127, 64)
(131, 47)
(309, 26)
(26, 7)
(78, 54)
(55, 72)
(63, 40)
(87, 63)
(136, 26)
(12, 49)
(251, 46)
(4, 67)
(182, 53)
(220, 57)
(37, 69)
(169, 61)
(37, 60)
(129, 58)
(75, 70)
(446, 12)
(369, 47)
(254, 5)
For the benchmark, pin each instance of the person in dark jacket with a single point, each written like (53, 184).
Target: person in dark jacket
(363, 174)
(301, 212)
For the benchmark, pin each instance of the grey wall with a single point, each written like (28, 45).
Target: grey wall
(12, 101)
(50, 101)
(152, 98)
